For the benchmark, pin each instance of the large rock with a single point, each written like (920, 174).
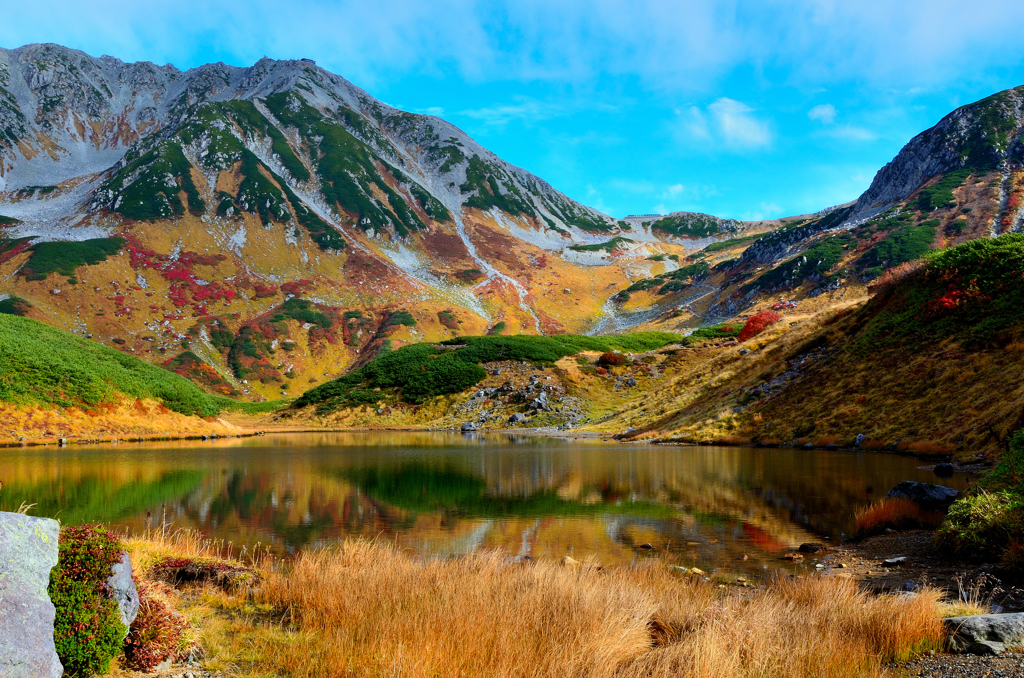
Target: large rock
(122, 588)
(985, 634)
(929, 497)
(28, 550)
(468, 427)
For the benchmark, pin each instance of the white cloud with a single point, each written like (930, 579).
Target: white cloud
(767, 210)
(725, 123)
(737, 125)
(825, 113)
(661, 43)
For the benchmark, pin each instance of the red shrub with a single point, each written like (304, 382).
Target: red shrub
(758, 324)
(611, 358)
(159, 632)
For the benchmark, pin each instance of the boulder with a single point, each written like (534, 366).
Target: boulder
(928, 496)
(517, 418)
(859, 440)
(944, 470)
(811, 547)
(122, 588)
(986, 633)
(29, 548)
(468, 427)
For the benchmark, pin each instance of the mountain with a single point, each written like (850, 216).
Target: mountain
(279, 224)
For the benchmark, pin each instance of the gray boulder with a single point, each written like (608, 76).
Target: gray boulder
(929, 497)
(122, 588)
(986, 633)
(28, 550)
(517, 418)
(468, 426)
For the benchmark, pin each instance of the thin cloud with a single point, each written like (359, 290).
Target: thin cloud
(825, 113)
(738, 126)
(502, 114)
(851, 133)
(726, 123)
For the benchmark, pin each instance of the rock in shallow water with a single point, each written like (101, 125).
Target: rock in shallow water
(985, 634)
(28, 550)
(928, 496)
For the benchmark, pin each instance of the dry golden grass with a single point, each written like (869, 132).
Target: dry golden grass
(894, 513)
(927, 448)
(368, 609)
(128, 418)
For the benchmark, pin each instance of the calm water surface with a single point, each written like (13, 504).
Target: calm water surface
(441, 494)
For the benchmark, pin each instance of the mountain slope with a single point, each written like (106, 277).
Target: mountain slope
(202, 200)
(55, 385)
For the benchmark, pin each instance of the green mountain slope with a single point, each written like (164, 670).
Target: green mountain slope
(41, 364)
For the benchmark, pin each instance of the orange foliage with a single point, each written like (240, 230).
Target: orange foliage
(895, 514)
(758, 323)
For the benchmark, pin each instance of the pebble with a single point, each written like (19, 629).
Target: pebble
(963, 665)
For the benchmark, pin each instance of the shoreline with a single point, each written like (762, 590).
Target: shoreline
(543, 431)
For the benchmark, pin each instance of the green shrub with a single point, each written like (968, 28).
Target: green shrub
(87, 629)
(607, 246)
(721, 331)
(14, 306)
(905, 244)
(417, 372)
(981, 525)
(65, 257)
(988, 523)
(688, 225)
(940, 194)
(401, 318)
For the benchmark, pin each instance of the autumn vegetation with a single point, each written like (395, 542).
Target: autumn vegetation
(366, 608)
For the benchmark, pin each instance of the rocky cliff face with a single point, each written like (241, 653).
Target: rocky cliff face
(980, 137)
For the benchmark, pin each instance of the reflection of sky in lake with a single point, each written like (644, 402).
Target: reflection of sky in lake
(444, 494)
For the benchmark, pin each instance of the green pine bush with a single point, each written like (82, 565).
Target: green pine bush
(87, 629)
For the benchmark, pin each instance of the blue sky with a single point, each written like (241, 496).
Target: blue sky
(739, 109)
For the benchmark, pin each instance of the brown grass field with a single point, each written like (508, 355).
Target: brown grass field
(368, 609)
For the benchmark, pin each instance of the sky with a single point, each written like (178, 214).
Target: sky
(747, 110)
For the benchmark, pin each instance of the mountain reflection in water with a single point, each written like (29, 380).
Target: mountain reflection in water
(441, 494)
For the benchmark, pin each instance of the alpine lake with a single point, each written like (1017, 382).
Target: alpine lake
(445, 494)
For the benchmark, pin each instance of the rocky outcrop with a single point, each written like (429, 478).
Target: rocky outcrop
(122, 588)
(929, 497)
(29, 551)
(980, 135)
(985, 634)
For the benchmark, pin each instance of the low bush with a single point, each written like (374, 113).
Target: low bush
(757, 324)
(14, 306)
(158, 633)
(979, 526)
(894, 514)
(720, 331)
(417, 372)
(87, 629)
(611, 359)
(66, 257)
(988, 523)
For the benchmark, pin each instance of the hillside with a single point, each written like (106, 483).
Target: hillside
(55, 385)
(931, 364)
